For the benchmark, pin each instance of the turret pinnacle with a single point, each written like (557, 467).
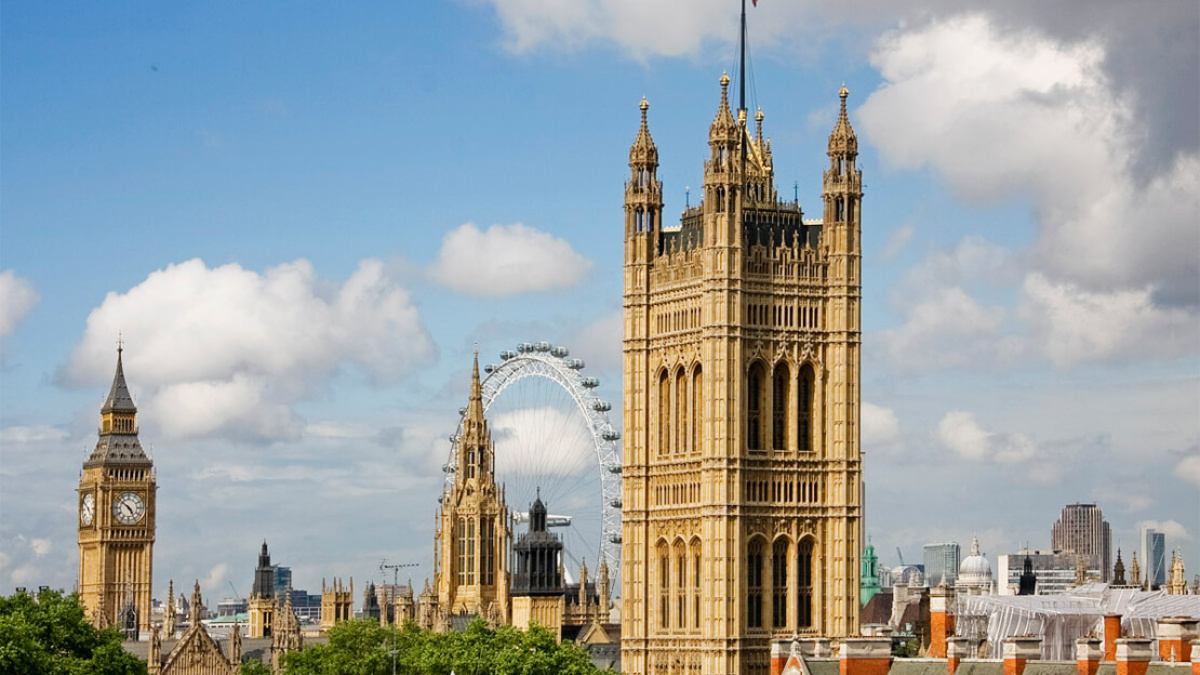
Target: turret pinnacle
(475, 404)
(724, 126)
(842, 139)
(119, 399)
(643, 150)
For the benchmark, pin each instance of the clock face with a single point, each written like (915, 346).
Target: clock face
(87, 509)
(129, 508)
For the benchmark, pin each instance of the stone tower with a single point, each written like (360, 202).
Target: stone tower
(261, 605)
(537, 584)
(116, 516)
(472, 538)
(742, 482)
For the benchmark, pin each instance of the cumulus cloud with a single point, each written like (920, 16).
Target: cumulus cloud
(1003, 114)
(506, 259)
(226, 351)
(1188, 470)
(947, 328)
(17, 297)
(897, 241)
(600, 343)
(1073, 325)
(880, 426)
(40, 546)
(1174, 530)
(961, 433)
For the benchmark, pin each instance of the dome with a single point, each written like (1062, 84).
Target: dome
(975, 569)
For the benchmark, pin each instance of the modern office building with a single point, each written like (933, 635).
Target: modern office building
(1082, 530)
(941, 563)
(1154, 558)
(1054, 571)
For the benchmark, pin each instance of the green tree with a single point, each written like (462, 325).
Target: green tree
(253, 666)
(365, 648)
(47, 634)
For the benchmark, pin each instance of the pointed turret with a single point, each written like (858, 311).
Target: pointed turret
(118, 442)
(194, 608)
(643, 191)
(1119, 571)
(475, 446)
(842, 194)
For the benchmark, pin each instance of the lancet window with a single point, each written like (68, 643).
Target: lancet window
(805, 404)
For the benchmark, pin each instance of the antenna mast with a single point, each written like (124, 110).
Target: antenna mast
(742, 96)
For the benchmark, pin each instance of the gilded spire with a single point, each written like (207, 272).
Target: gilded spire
(842, 139)
(724, 126)
(643, 150)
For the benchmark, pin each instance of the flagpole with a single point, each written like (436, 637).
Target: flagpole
(742, 96)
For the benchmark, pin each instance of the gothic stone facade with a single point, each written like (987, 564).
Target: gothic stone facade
(742, 483)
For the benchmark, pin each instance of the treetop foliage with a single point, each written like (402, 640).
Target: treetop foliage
(365, 648)
(47, 634)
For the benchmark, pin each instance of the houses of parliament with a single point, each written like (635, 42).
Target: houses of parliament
(741, 471)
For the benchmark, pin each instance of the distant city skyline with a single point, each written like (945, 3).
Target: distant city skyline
(303, 221)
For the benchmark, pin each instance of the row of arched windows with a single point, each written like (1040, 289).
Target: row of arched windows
(779, 584)
(774, 420)
(680, 410)
(643, 220)
(679, 575)
(476, 553)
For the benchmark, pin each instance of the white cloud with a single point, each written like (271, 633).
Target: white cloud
(1073, 325)
(880, 426)
(1174, 530)
(600, 343)
(506, 259)
(1018, 113)
(17, 297)
(213, 584)
(961, 433)
(1188, 469)
(37, 434)
(41, 546)
(226, 351)
(897, 241)
(949, 328)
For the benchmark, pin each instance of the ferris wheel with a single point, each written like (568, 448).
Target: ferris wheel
(553, 437)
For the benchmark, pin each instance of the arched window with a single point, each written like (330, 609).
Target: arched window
(754, 584)
(779, 406)
(754, 407)
(695, 551)
(681, 585)
(779, 583)
(462, 551)
(487, 542)
(805, 405)
(470, 551)
(664, 414)
(681, 405)
(697, 407)
(470, 464)
(664, 585)
(804, 585)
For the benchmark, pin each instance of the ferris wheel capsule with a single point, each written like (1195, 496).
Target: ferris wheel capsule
(590, 382)
(489, 368)
(602, 406)
(507, 354)
(560, 352)
(575, 364)
(542, 346)
(524, 347)
(611, 435)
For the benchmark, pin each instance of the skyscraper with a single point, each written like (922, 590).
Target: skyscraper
(1154, 557)
(1082, 530)
(941, 563)
(742, 476)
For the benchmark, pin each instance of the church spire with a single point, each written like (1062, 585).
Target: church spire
(118, 441)
(119, 399)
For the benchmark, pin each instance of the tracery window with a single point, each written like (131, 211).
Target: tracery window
(697, 407)
(681, 403)
(805, 405)
(664, 414)
(754, 584)
(779, 583)
(754, 406)
(804, 585)
(487, 564)
(664, 585)
(779, 406)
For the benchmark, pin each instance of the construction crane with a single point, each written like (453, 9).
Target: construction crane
(384, 567)
(900, 556)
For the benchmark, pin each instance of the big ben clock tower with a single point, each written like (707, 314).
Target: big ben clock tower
(116, 518)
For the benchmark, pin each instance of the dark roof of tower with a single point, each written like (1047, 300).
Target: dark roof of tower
(119, 399)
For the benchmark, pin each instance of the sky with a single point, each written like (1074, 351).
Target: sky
(302, 219)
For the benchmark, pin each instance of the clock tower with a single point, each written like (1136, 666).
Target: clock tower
(116, 519)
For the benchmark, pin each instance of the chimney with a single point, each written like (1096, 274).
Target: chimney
(1088, 654)
(779, 655)
(1112, 633)
(957, 649)
(1195, 657)
(941, 622)
(1020, 649)
(1175, 635)
(1133, 655)
(865, 656)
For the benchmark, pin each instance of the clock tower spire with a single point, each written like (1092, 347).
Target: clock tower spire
(116, 516)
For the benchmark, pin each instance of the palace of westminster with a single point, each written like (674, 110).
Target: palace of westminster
(741, 470)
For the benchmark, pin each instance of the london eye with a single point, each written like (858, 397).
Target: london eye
(552, 435)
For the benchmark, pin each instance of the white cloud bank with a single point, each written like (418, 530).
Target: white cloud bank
(961, 433)
(506, 259)
(17, 297)
(225, 351)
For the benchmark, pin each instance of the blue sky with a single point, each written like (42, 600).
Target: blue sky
(303, 217)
